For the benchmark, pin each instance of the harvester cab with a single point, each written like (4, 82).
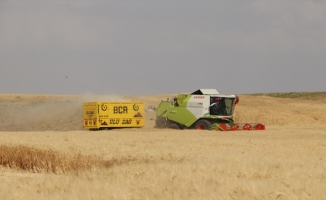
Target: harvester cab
(203, 109)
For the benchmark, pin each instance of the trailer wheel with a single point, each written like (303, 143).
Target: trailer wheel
(174, 126)
(203, 125)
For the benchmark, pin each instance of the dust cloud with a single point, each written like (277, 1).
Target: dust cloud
(41, 113)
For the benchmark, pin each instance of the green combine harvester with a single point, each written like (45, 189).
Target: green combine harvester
(204, 109)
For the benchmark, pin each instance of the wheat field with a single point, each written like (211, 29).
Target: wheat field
(45, 154)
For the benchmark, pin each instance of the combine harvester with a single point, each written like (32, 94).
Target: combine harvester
(204, 109)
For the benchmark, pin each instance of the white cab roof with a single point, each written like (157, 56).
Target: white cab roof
(206, 91)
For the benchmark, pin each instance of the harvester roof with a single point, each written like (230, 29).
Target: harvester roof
(205, 91)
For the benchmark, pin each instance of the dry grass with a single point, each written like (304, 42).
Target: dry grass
(39, 160)
(49, 161)
(279, 111)
(284, 162)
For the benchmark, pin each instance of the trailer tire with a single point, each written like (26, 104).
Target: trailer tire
(174, 126)
(203, 125)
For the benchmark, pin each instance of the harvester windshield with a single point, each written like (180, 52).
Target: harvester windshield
(221, 106)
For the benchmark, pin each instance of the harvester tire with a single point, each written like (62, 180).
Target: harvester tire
(203, 125)
(174, 126)
(160, 122)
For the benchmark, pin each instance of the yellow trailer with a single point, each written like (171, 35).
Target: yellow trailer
(107, 115)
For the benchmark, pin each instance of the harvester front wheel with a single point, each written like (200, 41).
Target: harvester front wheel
(174, 126)
(203, 125)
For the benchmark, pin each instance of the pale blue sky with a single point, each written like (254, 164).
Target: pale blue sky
(155, 47)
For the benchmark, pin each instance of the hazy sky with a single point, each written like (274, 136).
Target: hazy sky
(159, 47)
